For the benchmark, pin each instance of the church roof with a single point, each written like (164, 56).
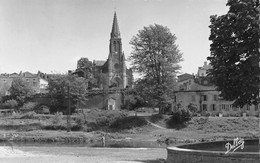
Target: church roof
(115, 33)
(99, 63)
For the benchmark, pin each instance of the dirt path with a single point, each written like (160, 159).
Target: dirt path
(155, 125)
(81, 154)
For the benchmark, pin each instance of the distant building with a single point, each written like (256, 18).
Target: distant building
(202, 71)
(38, 81)
(199, 92)
(114, 71)
(111, 74)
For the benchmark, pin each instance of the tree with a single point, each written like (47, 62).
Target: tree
(155, 56)
(20, 90)
(86, 67)
(58, 89)
(132, 100)
(234, 52)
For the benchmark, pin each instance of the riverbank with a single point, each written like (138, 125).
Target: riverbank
(199, 129)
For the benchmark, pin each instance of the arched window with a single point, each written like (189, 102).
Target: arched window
(115, 46)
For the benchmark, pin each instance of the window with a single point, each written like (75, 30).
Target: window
(175, 98)
(247, 107)
(256, 107)
(230, 107)
(223, 106)
(115, 46)
(204, 107)
(227, 107)
(204, 97)
(215, 97)
(213, 107)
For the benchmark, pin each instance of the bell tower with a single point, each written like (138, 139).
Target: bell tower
(116, 58)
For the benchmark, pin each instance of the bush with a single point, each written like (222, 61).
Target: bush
(56, 119)
(106, 118)
(180, 117)
(234, 114)
(80, 119)
(28, 115)
(156, 117)
(193, 108)
(10, 104)
(128, 122)
(55, 127)
(95, 119)
(29, 106)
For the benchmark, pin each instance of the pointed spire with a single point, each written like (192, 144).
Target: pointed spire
(115, 29)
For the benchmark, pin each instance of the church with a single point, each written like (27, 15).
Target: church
(111, 73)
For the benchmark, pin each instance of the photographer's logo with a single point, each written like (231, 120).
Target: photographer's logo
(237, 143)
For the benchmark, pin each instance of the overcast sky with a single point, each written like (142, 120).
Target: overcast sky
(51, 35)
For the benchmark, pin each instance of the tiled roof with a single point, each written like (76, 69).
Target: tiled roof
(185, 77)
(29, 75)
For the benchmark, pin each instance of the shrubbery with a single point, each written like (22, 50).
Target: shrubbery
(156, 117)
(56, 119)
(95, 119)
(10, 104)
(128, 122)
(29, 106)
(193, 108)
(179, 117)
(28, 115)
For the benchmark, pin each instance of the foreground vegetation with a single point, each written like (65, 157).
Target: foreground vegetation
(117, 125)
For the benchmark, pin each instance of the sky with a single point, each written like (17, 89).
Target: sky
(51, 35)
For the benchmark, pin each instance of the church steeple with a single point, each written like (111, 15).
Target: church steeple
(115, 29)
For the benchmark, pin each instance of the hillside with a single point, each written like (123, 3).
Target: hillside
(208, 129)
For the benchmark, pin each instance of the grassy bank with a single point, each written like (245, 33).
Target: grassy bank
(199, 129)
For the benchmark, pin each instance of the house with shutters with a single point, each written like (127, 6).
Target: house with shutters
(197, 90)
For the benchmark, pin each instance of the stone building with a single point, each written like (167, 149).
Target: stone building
(199, 92)
(38, 81)
(112, 75)
(114, 72)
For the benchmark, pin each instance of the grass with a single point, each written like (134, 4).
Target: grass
(198, 129)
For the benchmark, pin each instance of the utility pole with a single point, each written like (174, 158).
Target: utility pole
(258, 17)
(68, 111)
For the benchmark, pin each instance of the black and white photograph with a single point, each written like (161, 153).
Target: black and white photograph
(129, 81)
